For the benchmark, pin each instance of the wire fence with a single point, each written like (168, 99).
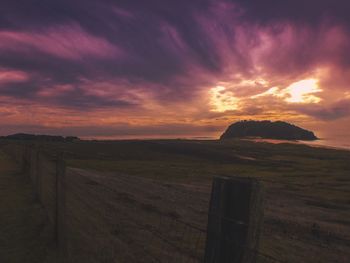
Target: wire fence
(121, 218)
(152, 227)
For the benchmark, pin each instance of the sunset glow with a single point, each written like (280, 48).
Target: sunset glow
(304, 91)
(117, 69)
(223, 100)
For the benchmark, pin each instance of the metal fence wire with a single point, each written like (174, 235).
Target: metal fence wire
(120, 218)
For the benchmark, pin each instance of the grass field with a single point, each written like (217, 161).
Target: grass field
(307, 213)
(23, 223)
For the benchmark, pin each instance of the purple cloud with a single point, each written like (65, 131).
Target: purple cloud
(160, 60)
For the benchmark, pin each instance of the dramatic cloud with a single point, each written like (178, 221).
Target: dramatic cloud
(68, 42)
(10, 76)
(178, 66)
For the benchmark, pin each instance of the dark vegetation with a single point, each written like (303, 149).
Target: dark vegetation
(33, 137)
(268, 130)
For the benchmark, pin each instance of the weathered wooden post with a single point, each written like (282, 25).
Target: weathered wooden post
(234, 220)
(60, 224)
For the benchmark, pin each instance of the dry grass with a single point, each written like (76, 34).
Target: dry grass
(23, 223)
(307, 189)
(307, 195)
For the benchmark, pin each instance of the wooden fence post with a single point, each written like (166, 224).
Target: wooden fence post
(60, 226)
(234, 220)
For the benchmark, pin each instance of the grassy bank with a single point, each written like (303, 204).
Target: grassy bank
(307, 189)
(23, 224)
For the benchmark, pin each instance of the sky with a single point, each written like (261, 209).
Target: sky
(165, 68)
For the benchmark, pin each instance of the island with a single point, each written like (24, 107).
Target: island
(266, 129)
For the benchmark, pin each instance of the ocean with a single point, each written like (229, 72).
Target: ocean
(331, 143)
(337, 143)
(334, 143)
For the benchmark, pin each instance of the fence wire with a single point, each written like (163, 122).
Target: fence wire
(115, 219)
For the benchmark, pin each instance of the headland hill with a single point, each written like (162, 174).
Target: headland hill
(278, 130)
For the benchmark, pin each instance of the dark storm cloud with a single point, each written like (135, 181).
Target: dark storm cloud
(33, 30)
(312, 15)
(335, 111)
(297, 11)
(78, 99)
(170, 48)
(138, 33)
(136, 26)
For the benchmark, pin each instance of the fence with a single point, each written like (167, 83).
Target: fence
(108, 218)
(47, 175)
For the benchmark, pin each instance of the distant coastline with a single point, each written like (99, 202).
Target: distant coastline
(329, 143)
(320, 143)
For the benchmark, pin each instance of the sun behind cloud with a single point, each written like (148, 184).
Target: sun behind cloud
(303, 91)
(223, 100)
